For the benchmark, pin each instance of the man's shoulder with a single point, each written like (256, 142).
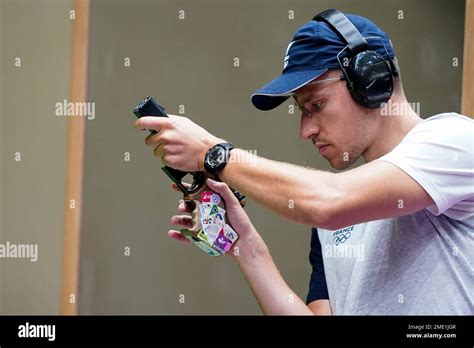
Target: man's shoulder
(448, 118)
(441, 128)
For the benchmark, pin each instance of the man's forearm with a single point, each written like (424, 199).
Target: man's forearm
(268, 286)
(300, 194)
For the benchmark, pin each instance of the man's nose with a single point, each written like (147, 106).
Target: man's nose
(308, 127)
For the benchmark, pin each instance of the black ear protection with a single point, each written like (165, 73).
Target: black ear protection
(368, 75)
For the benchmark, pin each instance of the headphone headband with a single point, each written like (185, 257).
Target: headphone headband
(344, 27)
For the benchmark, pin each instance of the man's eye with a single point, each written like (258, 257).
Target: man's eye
(317, 106)
(314, 108)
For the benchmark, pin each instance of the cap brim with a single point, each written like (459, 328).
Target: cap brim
(277, 91)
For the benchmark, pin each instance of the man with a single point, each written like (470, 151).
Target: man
(395, 235)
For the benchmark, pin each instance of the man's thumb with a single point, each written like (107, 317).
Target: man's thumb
(224, 190)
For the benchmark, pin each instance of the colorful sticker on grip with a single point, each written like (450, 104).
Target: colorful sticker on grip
(230, 233)
(221, 211)
(206, 196)
(212, 232)
(218, 219)
(207, 248)
(214, 210)
(205, 209)
(222, 242)
(206, 221)
(202, 235)
(210, 197)
(215, 198)
(215, 232)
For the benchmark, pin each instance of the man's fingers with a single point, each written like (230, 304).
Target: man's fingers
(186, 206)
(152, 140)
(152, 122)
(159, 151)
(182, 220)
(176, 188)
(224, 190)
(177, 236)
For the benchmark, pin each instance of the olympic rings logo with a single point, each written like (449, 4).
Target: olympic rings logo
(341, 238)
(342, 235)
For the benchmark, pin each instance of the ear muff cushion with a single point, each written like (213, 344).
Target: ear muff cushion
(371, 77)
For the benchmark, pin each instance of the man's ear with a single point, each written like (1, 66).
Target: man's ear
(397, 81)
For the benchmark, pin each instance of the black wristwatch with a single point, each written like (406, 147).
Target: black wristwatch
(217, 158)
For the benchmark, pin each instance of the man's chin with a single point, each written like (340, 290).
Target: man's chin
(339, 165)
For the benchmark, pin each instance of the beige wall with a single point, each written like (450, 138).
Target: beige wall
(32, 190)
(190, 62)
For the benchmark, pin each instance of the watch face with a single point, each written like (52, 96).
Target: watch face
(216, 157)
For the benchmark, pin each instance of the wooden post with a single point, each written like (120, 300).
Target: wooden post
(467, 104)
(75, 161)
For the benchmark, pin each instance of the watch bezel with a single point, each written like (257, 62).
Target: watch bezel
(226, 147)
(215, 151)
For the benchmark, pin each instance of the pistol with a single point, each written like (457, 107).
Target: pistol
(211, 230)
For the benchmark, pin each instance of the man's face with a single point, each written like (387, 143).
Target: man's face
(340, 129)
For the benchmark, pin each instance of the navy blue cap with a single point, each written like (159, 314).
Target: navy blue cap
(311, 53)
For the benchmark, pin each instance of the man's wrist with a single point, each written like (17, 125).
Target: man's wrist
(208, 144)
(249, 246)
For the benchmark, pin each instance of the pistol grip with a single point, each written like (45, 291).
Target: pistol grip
(194, 215)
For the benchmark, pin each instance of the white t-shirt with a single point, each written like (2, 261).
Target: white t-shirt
(421, 263)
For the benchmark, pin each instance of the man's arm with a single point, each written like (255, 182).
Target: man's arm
(320, 307)
(268, 286)
(373, 191)
(273, 295)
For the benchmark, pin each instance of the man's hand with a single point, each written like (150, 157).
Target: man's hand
(179, 142)
(237, 216)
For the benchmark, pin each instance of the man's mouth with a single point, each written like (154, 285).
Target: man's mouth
(322, 147)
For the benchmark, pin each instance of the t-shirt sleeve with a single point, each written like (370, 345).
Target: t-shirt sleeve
(318, 289)
(439, 155)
